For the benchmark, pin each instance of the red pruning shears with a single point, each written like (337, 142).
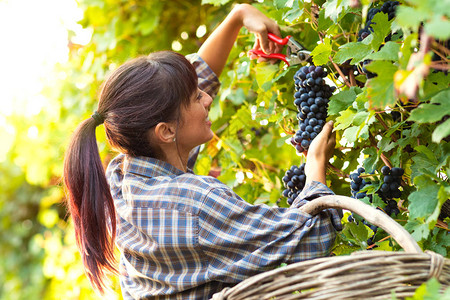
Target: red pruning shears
(295, 53)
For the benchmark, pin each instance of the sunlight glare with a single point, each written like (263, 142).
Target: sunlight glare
(34, 38)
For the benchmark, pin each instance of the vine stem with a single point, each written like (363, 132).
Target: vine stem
(441, 48)
(440, 66)
(382, 156)
(342, 174)
(442, 225)
(351, 76)
(383, 239)
(378, 117)
(340, 72)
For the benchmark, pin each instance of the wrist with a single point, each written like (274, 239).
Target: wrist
(238, 14)
(315, 170)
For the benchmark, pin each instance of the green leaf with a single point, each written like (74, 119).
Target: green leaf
(282, 3)
(380, 90)
(334, 7)
(342, 100)
(324, 23)
(423, 202)
(371, 158)
(351, 134)
(215, 2)
(355, 51)
(356, 233)
(409, 17)
(321, 53)
(345, 119)
(425, 161)
(430, 290)
(438, 28)
(442, 131)
(264, 73)
(418, 228)
(434, 111)
(388, 52)
(386, 144)
(148, 24)
(266, 139)
(360, 117)
(381, 27)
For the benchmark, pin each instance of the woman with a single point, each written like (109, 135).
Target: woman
(181, 236)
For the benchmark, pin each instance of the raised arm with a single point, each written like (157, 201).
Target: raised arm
(217, 47)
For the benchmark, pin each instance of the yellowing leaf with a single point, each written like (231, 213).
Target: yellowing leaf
(321, 53)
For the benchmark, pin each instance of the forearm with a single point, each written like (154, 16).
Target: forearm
(217, 47)
(315, 170)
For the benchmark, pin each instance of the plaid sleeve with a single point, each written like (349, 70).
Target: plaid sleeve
(207, 79)
(240, 240)
(313, 190)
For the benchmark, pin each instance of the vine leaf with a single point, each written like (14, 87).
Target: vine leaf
(380, 90)
(438, 28)
(342, 100)
(441, 132)
(423, 202)
(334, 7)
(434, 111)
(381, 28)
(283, 3)
(389, 52)
(321, 53)
(357, 233)
(215, 2)
(355, 51)
(265, 72)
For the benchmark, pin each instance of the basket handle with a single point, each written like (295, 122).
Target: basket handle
(369, 213)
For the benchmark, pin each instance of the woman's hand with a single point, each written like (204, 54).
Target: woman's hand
(319, 153)
(217, 47)
(260, 25)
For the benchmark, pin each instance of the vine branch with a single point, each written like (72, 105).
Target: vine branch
(339, 71)
(378, 117)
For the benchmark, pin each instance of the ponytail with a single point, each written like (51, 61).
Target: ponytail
(90, 204)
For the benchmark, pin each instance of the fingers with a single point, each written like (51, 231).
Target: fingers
(327, 129)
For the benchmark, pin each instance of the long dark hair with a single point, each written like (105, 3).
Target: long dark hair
(134, 98)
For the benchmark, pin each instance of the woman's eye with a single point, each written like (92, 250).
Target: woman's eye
(199, 96)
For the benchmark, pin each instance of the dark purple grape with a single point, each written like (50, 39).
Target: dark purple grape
(385, 170)
(397, 172)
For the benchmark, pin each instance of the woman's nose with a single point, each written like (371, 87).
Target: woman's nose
(208, 99)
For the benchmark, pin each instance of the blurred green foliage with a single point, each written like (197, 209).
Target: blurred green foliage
(254, 117)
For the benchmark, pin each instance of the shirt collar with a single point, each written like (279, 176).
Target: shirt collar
(150, 167)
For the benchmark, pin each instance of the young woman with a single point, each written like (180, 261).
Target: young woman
(180, 235)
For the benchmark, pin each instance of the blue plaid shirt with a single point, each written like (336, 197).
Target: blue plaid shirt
(185, 236)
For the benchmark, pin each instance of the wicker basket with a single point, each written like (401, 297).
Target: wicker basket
(361, 275)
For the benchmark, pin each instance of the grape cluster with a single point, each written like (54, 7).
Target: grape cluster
(358, 183)
(311, 98)
(391, 183)
(388, 191)
(294, 182)
(388, 8)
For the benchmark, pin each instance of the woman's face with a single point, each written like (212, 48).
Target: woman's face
(195, 126)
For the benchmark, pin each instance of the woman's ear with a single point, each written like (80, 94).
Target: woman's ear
(165, 132)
